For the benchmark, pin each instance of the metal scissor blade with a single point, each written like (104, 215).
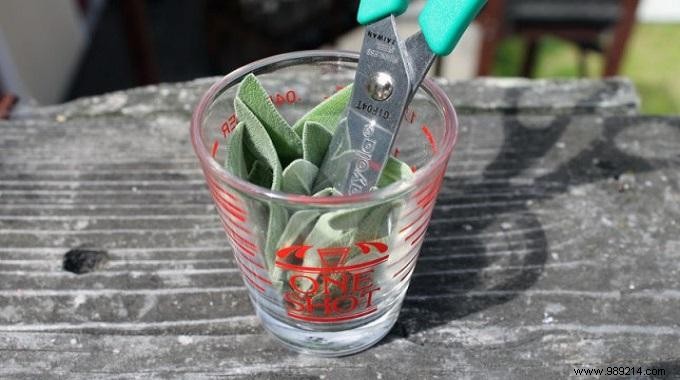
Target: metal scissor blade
(420, 58)
(366, 134)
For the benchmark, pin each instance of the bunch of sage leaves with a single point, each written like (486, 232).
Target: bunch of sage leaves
(266, 150)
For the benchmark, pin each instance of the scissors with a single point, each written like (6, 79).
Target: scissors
(388, 75)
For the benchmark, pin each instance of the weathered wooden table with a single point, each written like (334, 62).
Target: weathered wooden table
(555, 245)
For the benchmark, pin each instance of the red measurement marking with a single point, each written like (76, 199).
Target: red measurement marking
(253, 283)
(249, 259)
(420, 199)
(332, 269)
(331, 319)
(405, 266)
(413, 251)
(230, 209)
(236, 224)
(279, 99)
(410, 116)
(396, 152)
(220, 193)
(430, 199)
(229, 125)
(408, 273)
(419, 237)
(433, 190)
(233, 222)
(216, 145)
(422, 214)
(338, 87)
(245, 244)
(410, 212)
(431, 196)
(422, 226)
(413, 168)
(424, 189)
(227, 206)
(213, 184)
(265, 280)
(238, 244)
(430, 138)
(242, 240)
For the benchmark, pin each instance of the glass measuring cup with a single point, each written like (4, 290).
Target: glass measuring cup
(343, 293)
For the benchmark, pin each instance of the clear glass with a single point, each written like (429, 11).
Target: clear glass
(339, 295)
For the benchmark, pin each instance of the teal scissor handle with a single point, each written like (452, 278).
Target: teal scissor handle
(444, 21)
(371, 11)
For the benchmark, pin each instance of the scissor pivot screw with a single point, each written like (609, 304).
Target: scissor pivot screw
(380, 86)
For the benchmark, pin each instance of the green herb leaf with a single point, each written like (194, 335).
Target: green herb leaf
(315, 140)
(278, 217)
(255, 97)
(295, 232)
(261, 174)
(325, 234)
(298, 177)
(395, 170)
(258, 142)
(236, 162)
(328, 113)
(327, 192)
(263, 143)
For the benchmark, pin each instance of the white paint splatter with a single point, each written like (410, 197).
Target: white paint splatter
(79, 300)
(184, 340)
(81, 224)
(547, 319)
(577, 191)
(554, 308)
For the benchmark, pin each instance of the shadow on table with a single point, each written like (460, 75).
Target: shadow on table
(490, 247)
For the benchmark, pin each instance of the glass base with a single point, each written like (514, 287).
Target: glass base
(330, 343)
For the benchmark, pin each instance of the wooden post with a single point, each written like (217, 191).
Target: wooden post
(138, 41)
(492, 20)
(622, 31)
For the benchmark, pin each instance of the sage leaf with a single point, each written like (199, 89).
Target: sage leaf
(296, 230)
(315, 140)
(298, 177)
(236, 161)
(260, 174)
(263, 144)
(376, 221)
(328, 113)
(327, 192)
(323, 235)
(394, 170)
(278, 217)
(255, 97)
(258, 142)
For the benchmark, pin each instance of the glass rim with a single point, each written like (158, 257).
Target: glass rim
(421, 175)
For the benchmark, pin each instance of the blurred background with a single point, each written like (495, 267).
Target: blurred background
(57, 50)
